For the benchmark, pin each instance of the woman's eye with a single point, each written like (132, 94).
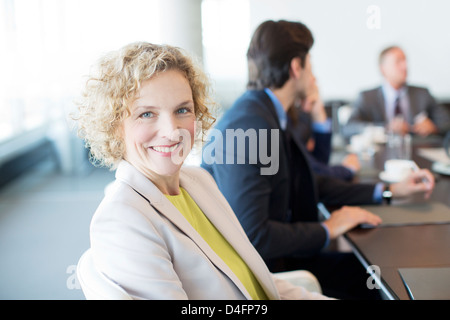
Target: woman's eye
(183, 110)
(146, 115)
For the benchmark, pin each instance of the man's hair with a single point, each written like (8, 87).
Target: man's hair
(273, 46)
(384, 52)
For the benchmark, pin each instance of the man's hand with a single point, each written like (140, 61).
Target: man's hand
(347, 218)
(418, 181)
(424, 127)
(399, 126)
(314, 105)
(351, 162)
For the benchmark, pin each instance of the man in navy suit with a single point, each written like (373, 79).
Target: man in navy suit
(401, 107)
(276, 201)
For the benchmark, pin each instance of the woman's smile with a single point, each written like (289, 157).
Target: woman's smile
(165, 150)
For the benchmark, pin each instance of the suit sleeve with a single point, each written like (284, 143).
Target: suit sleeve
(335, 192)
(127, 253)
(358, 113)
(322, 146)
(319, 158)
(357, 117)
(438, 114)
(336, 171)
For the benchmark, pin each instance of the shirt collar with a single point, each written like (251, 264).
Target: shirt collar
(282, 115)
(390, 93)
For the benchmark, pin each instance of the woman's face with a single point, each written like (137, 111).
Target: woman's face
(159, 133)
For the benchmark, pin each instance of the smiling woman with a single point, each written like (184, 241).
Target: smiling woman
(159, 133)
(111, 91)
(163, 230)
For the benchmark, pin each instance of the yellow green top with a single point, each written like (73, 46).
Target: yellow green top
(194, 215)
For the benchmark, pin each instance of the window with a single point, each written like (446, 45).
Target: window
(226, 36)
(47, 46)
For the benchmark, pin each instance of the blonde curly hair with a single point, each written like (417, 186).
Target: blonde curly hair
(113, 85)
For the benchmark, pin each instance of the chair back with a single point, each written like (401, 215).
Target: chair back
(301, 278)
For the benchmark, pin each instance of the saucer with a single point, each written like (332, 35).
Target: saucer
(380, 139)
(384, 176)
(373, 149)
(441, 168)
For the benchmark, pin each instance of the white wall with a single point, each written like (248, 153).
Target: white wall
(346, 50)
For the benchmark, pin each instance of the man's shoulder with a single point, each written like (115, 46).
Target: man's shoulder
(417, 89)
(251, 109)
(368, 97)
(251, 100)
(371, 92)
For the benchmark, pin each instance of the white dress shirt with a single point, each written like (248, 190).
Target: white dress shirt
(390, 96)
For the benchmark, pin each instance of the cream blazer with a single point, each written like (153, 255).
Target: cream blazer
(143, 243)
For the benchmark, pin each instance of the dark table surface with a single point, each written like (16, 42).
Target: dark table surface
(391, 248)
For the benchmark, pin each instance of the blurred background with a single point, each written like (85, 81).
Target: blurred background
(48, 188)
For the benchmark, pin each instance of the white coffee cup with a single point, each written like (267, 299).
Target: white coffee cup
(379, 135)
(375, 134)
(397, 169)
(357, 143)
(360, 142)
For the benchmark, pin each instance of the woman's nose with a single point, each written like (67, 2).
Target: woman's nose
(167, 126)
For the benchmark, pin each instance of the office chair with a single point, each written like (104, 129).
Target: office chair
(302, 278)
(95, 285)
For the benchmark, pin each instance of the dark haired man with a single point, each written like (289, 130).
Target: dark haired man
(278, 211)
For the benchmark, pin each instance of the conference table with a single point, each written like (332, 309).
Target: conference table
(390, 248)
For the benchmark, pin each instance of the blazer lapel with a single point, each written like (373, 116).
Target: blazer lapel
(230, 228)
(381, 104)
(142, 185)
(413, 107)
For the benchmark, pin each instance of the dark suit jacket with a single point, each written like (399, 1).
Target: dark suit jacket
(370, 107)
(319, 157)
(279, 211)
